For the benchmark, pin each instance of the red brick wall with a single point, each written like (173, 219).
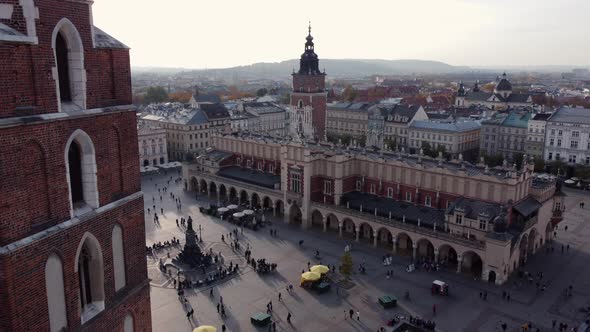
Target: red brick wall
(34, 170)
(24, 299)
(315, 83)
(25, 70)
(349, 184)
(312, 83)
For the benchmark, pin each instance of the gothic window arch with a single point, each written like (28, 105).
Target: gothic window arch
(89, 266)
(69, 72)
(56, 299)
(81, 173)
(118, 257)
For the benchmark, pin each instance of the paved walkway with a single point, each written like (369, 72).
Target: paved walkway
(462, 311)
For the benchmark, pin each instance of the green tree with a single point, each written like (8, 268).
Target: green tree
(557, 167)
(582, 172)
(155, 94)
(539, 165)
(517, 159)
(427, 149)
(261, 92)
(346, 265)
(349, 93)
(493, 160)
(361, 141)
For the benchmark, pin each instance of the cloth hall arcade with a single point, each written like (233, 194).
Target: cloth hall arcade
(473, 219)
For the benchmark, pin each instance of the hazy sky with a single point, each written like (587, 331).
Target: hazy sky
(224, 33)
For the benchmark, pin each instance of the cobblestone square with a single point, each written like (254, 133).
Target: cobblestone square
(249, 292)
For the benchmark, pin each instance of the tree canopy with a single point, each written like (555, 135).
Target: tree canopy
(346, 265)
(155, 94)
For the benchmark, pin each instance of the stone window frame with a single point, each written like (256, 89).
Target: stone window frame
(56, 300)
(89, 170)
(77, 71)
(327, 187)
(459, 219)
(96, 274)
(119, 266)
(428, 201)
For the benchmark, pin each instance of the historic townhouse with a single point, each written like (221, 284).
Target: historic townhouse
(471, 218)
(535, 143)
(567, 136)
(72, 230)
(152, 144)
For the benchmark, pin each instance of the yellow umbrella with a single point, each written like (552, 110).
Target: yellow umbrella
(205, 328)
(321, 269)
(310, 276)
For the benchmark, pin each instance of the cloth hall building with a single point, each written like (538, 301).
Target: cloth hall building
(73, 228)
(473, 219)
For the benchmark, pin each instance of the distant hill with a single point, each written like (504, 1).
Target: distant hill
(334, 68)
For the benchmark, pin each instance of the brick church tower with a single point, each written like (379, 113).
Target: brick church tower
(309, 94)
(72, 237)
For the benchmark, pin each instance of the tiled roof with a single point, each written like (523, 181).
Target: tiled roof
(214, 111)
(251, 176)
(216, 155)
(398, 113)
(104, 40)
(571, 115)
(541, 116)
(460, 126)
(263, 108)
(353, 107)
(473, 208)
(398, 209)
(527, 207)
(517, 119)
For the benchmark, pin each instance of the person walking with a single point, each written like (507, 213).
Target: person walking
(351, 313)
(434, 310)
(223, 328)
(358, 315)
(289, 318)
(218, 307)
(279, 296)
(188, 315)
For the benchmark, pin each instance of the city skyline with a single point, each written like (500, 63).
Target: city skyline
(458, 32)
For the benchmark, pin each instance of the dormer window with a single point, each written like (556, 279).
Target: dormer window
(459, 219)
(483, 224)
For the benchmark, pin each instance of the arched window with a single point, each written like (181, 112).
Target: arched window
(63, 69)
(300, 104)
(118, 257)
(90, 269)
(69, 72)
(128, 325)
(81, 173)
(56, 299)
(75, 167)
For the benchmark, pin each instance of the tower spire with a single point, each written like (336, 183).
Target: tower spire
(309, 28)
